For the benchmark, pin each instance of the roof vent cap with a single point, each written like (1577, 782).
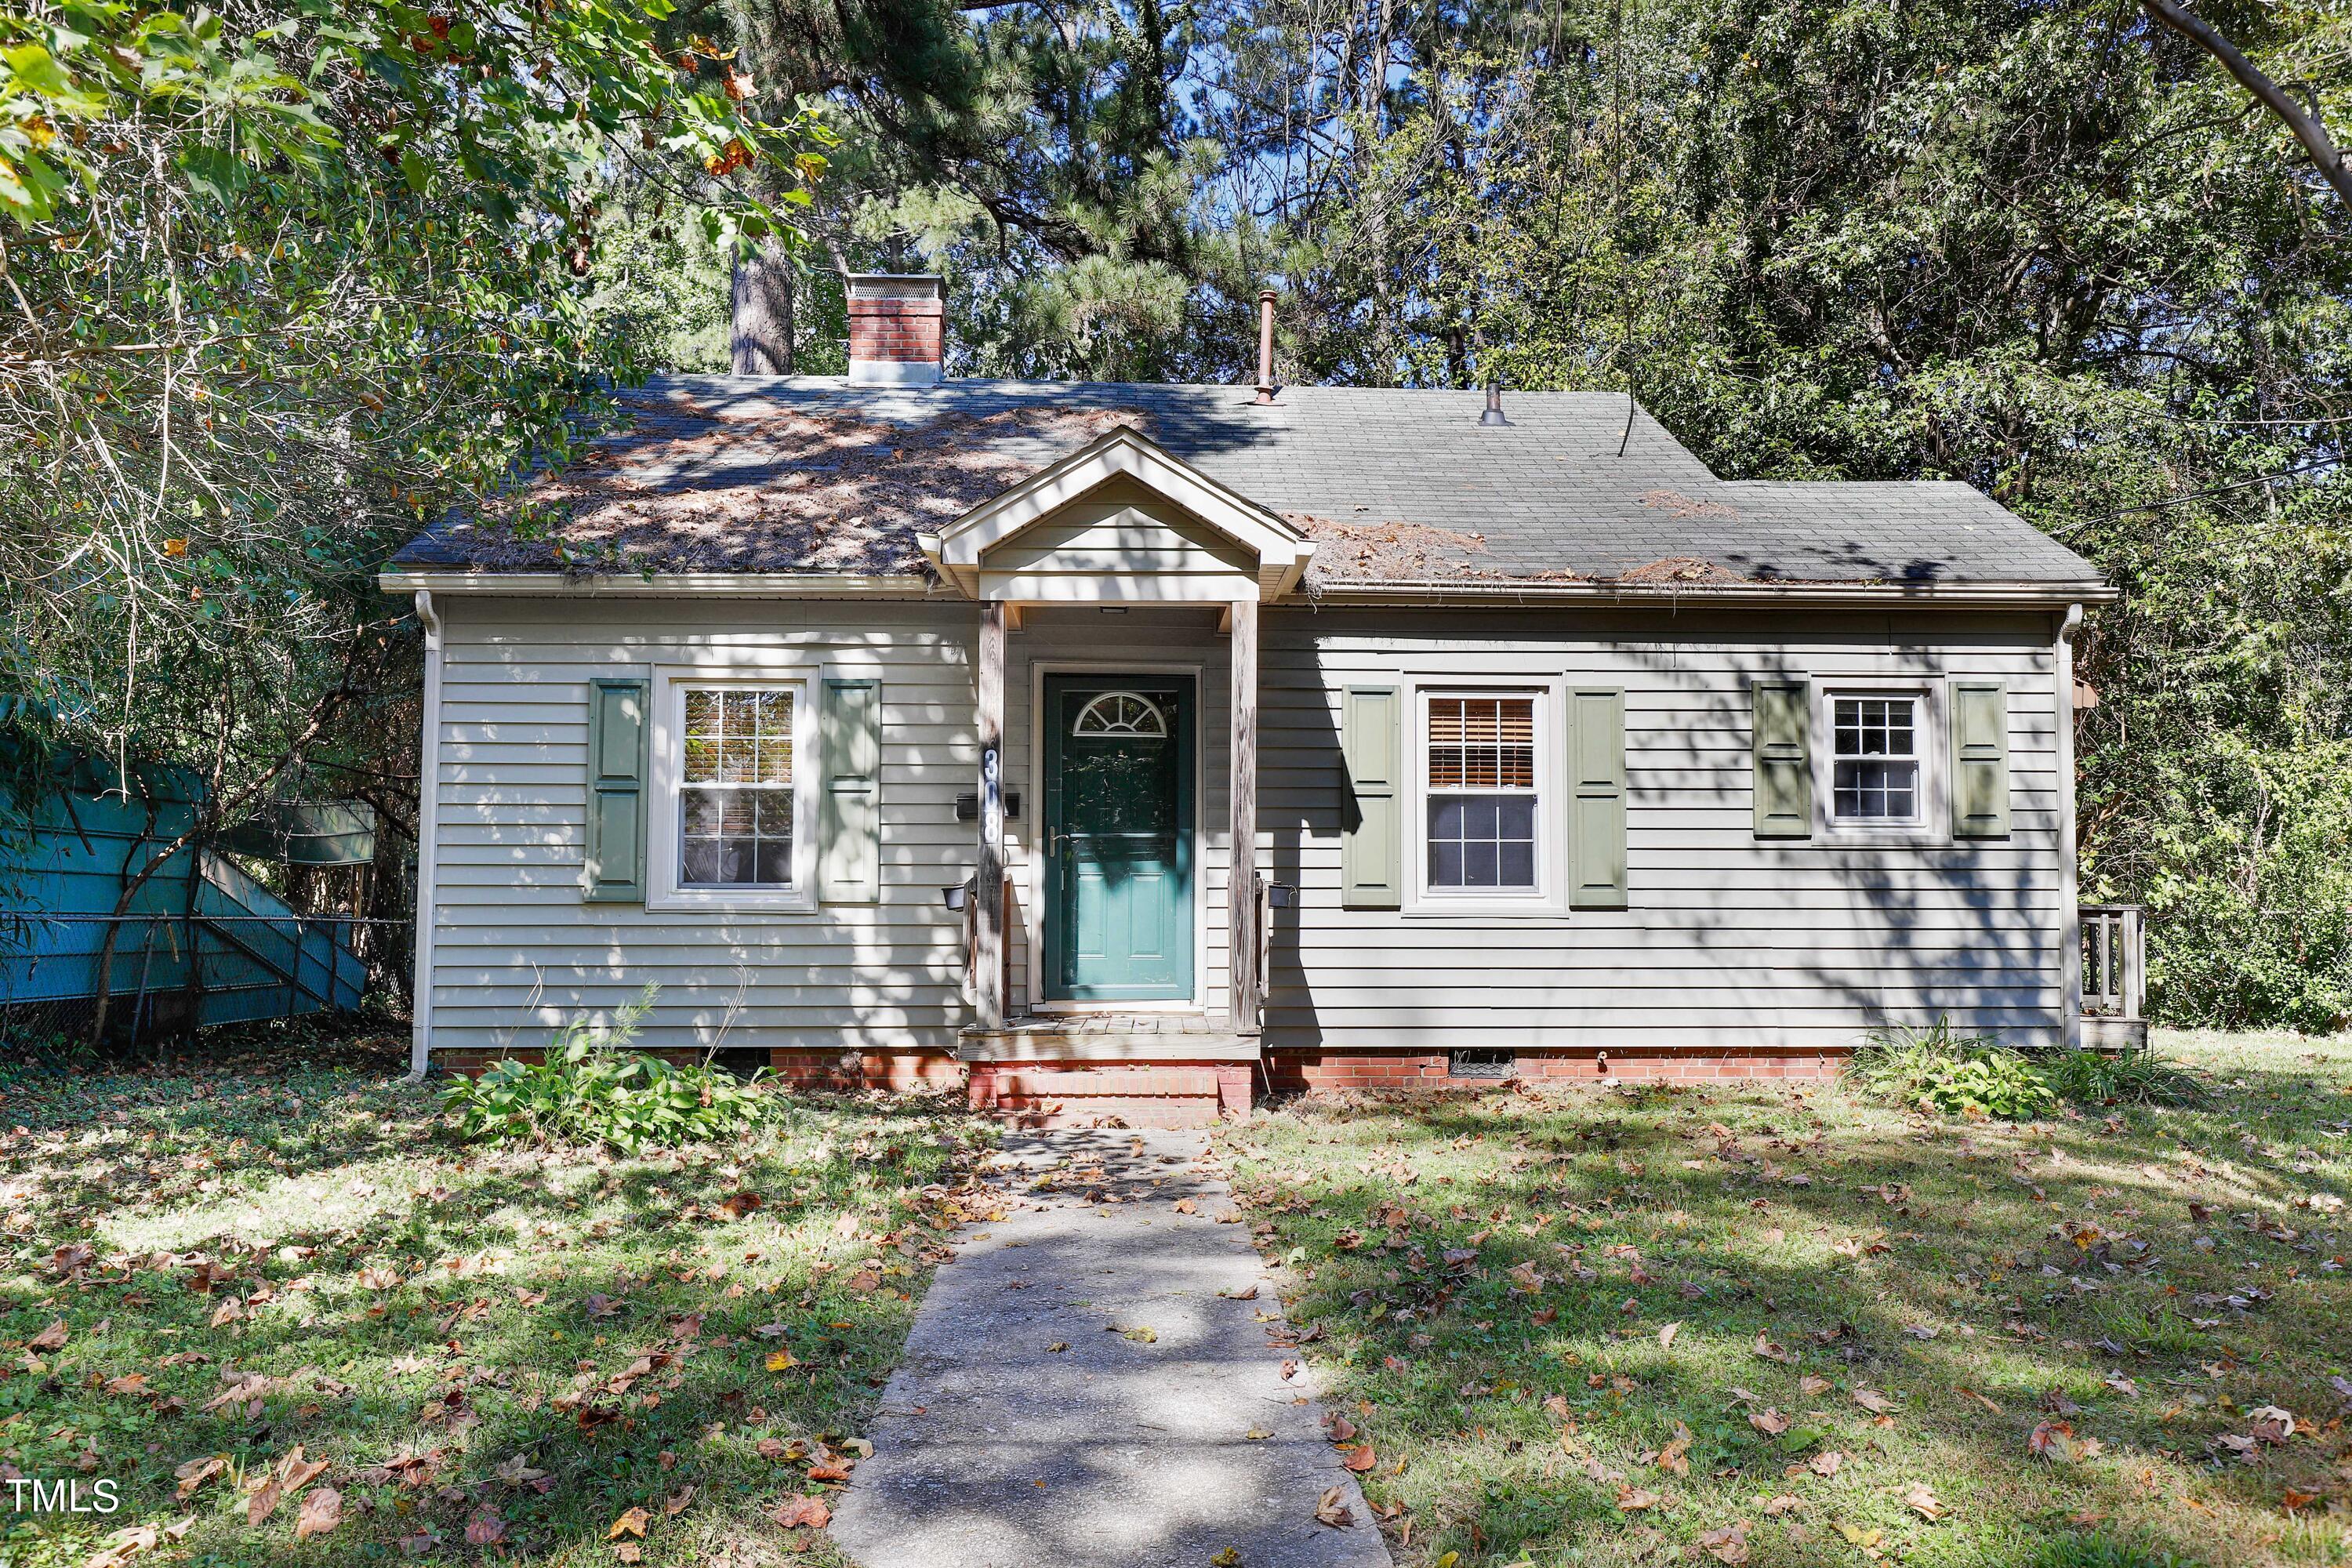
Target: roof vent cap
(1494, 415)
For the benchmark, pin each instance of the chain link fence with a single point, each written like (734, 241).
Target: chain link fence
(65, 985)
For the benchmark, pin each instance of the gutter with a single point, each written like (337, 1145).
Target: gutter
(2070, 891)
(1429, 592)
(1439, 591)
(428, 841)
(667, 585)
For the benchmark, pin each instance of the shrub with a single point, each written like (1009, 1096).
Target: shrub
(2003, 1085)
(1938, 1068)
(590, 1088)
(2132, 1077)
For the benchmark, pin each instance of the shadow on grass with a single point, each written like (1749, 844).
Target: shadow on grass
(1803, 1249)
(480, 1312)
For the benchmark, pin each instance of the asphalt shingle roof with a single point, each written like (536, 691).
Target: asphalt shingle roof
(807, 474)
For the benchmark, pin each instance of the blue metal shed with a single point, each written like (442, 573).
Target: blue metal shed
(199, 934)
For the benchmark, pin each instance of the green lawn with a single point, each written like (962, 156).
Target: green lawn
(1776, 1326)
(498, 1355)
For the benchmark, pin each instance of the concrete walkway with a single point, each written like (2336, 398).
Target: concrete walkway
(1082, 1389)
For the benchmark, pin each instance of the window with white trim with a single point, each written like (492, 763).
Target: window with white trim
(737, 810)
(735, 770)
(1877, 748)
(1481, 793)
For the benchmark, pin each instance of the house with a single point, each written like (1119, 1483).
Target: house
(903, 728)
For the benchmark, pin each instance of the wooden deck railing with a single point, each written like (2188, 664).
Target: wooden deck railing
(2115, 974)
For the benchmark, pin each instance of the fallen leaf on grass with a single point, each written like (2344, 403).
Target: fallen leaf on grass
(1769, 1422)
(677, 1502)
(1728, 1544)
(132, 1383)
(1787, 1502)
(1360, 1460)
(795, 1512)
(1670, 1458)
(780, 1360)
(131, 1539)
(282, 1480)
(197, 1472)
(1922, 1501)
(1666, 1335)
(1871, 1399)
(322, 1509)
(630, 1523)
(52, 1338)
(1813, 1385)
(1332, 1509)
(1765, 1349)
(1633, 1500)
(1970, 1393)
(2055, 1441)
(2269, 1423)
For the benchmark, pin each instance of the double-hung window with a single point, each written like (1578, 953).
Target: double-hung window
(734, 805)
(1480, 790)
(1876, 749)
(736, 808)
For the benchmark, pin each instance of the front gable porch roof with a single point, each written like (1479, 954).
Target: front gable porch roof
(958, 550)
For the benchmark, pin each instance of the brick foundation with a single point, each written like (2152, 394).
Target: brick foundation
(850, 1070)
(1080, 1094)
(1193, 1094)
(1293, 1072)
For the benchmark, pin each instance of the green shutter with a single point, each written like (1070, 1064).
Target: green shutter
(1596, 799)
(1784, 765)
(1371, 821)
(615, 869)
(1981, 759)
(849, 826)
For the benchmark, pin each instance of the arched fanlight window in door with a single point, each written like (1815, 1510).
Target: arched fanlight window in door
(1121, 713)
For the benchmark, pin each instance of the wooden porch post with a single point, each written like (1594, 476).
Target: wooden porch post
(988, 881)
(1241, 879)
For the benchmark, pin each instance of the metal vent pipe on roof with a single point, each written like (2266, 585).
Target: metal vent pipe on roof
(1265, 346)
(1494, 415)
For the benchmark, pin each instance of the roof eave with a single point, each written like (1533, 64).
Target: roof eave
(663, 584)
(1438, 590)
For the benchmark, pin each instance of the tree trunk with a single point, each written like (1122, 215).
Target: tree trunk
(759, 340)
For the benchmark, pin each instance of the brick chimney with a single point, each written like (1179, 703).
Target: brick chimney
(897, 329)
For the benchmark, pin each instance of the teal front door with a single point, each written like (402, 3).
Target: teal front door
(1119, 838)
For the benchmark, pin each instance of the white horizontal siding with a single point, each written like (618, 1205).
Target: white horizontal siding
(517, 951)
(1728, 943)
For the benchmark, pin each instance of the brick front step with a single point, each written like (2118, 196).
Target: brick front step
(1160, 1094)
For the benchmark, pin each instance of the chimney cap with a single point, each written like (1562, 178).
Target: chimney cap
(896, 285)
